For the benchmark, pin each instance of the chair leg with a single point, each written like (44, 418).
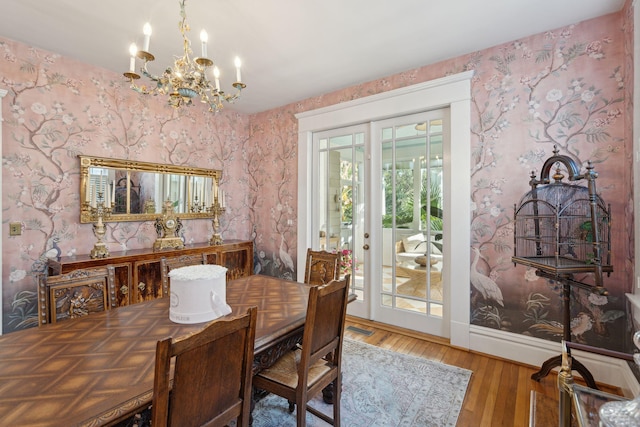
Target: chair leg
(327, 394)
(337, 395)
(301, 414)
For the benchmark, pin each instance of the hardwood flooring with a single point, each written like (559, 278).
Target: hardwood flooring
(499, 390)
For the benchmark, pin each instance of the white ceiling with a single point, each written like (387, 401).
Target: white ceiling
(291, 49)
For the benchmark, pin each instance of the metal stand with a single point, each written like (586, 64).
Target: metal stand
(556, 361)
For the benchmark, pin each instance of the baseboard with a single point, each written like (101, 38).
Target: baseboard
(632, 383)
(459, 335)
(398, 330)
(534, 351)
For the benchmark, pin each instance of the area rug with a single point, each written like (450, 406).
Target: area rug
(382, 388)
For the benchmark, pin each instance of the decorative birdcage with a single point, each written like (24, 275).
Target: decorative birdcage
(562, 229)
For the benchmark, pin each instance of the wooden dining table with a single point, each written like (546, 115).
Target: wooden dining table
(98, 369)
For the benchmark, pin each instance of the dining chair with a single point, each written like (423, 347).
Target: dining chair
(211, 376)
(168, 264)
(321, 267)
(302, 373)
(75, 294)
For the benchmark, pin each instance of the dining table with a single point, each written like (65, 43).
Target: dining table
(99, 369)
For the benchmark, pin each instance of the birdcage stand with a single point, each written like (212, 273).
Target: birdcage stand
(556, 361)
(562, 230)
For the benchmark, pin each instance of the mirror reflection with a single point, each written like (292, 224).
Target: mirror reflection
(136, 191)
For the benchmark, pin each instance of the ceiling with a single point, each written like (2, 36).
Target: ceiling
(291, 50)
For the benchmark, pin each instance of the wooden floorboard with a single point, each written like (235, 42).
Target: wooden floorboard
(499, 391)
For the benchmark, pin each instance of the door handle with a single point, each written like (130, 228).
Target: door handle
(365, 247)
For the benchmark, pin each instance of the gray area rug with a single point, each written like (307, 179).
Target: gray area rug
(382, 388)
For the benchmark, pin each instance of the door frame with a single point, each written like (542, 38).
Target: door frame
(452, 91)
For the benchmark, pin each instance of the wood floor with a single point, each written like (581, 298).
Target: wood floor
(499, 391)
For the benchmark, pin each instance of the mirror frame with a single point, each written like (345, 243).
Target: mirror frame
(87, 162)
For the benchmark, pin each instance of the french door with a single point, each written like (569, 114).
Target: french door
(340, 202)
(378, 198)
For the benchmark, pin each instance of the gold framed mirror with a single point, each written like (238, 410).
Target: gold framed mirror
(136, 191)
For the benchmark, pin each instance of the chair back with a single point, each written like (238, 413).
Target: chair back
(212, 375)
(75, 294)
(324, 326)
(322, 267)
(168, 264)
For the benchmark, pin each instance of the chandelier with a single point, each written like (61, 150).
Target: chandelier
(187, 78)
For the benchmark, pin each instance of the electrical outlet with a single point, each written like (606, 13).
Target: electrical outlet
(15, 228)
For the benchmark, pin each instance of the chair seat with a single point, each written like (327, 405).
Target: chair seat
(285, 370)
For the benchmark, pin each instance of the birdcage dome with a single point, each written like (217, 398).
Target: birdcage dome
(562, 228)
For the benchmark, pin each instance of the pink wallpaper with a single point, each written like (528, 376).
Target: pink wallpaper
(58, 108)
(567, 87)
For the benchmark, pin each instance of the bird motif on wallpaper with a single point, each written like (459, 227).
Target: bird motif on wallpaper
(40, 265)
(54, 251)
(257, 265)
(579, 325)
(284, 256)
(483, 284)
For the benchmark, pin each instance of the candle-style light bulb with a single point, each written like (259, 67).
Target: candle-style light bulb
(203, 38)
(216, 75)
(133, 51)
(146, 30)
(238, 63)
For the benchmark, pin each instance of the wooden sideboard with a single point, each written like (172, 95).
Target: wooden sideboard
(137, 272)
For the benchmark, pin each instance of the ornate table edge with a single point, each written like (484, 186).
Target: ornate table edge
(113, 415)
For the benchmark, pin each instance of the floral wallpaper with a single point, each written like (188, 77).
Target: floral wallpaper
(56, 109)
(566, 88)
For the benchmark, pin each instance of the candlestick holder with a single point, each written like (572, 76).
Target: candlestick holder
(196, 206)
(98, 213)
(216, 210)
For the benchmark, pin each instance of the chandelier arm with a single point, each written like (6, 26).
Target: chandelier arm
(148, 75)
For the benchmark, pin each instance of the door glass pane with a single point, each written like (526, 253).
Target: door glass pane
(341, 203)
(388, 220)
(330, 203)
(412, 217)
(353, 205)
